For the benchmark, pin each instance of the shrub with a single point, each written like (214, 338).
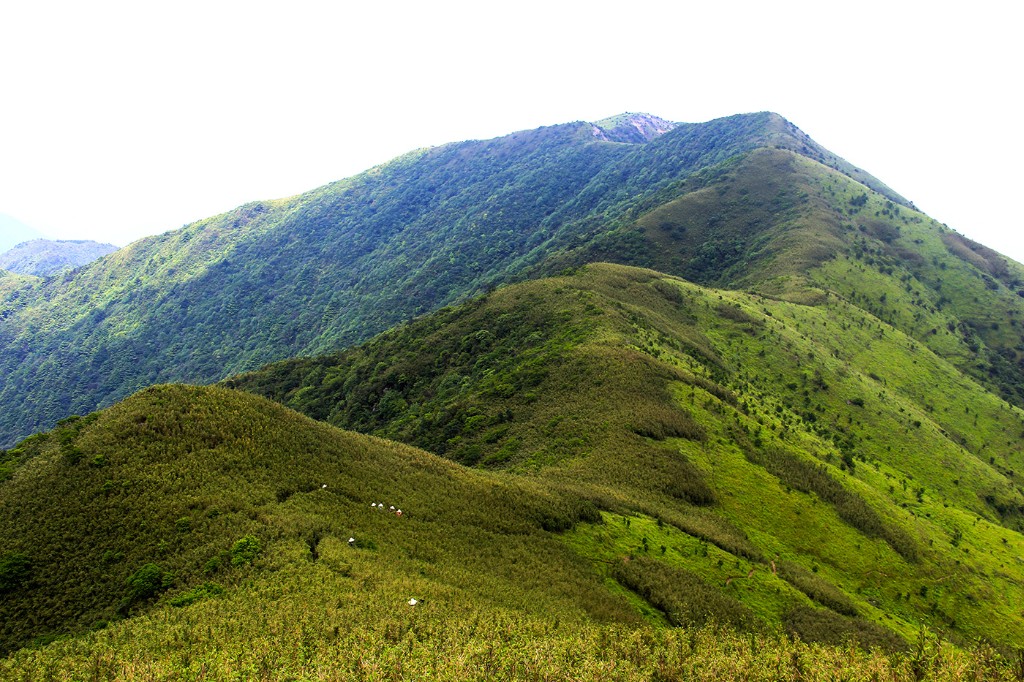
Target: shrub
(683, 596)
(15, 569)
(817, 588)
(806, 476)
(196, 593)
(827, 627)
(213, 565)
(245, 550)
(685, 481)
(365, 543)
(145, 583)
(565, 513)
(660, 422)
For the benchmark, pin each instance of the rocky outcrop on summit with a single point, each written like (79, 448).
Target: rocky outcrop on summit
(631, 128)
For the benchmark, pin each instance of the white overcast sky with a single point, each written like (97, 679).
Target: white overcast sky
(124, 119)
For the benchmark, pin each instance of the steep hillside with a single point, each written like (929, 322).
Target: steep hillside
(43, 257)
(788, 227)
(179, 494)
(812, 462)
(334, 266)
(201, 533)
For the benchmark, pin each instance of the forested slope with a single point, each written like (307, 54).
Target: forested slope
(332, 267)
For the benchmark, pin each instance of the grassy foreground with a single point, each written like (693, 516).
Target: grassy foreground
(307, 623)
(514, 578)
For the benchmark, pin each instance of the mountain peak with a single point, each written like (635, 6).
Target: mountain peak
(631, 128)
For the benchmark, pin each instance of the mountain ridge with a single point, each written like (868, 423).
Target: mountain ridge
(426, 229)
(622, 391)
(334, 266)
(677, 402)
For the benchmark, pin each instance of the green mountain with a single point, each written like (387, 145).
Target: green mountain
(46, 257)
(648, 453)
(332, 267)
(795, 426)
(783, 451)
(182, 493)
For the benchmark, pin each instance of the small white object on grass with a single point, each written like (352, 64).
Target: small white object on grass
(351, 541)
(413, 602)
(323, 486)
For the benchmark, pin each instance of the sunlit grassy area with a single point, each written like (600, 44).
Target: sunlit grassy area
(752, 427)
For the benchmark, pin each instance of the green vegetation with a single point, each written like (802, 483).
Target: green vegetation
(244, 551)
(685, 599)
(15, 570)
(144, 584)
(497, 594)
(731, 418)
(812, 470)
(332, 267)
(305, 624)
(85, 545)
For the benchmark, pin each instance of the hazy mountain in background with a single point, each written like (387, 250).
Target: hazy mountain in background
(46, 257)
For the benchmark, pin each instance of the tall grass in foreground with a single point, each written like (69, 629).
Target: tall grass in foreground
(302, 625)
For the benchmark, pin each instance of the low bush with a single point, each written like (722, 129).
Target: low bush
(684, 598)
(817, 588)
(196, 593)
(15, 570)
(245, 550)
(827, 627)
(144, 584)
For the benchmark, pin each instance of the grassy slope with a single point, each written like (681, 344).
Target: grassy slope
(734, 430)
(195, 469)
(176, 475)
(787, 226)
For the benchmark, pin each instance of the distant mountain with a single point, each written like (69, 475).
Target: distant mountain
(45, 257)
(13, 231)
(747, 201)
